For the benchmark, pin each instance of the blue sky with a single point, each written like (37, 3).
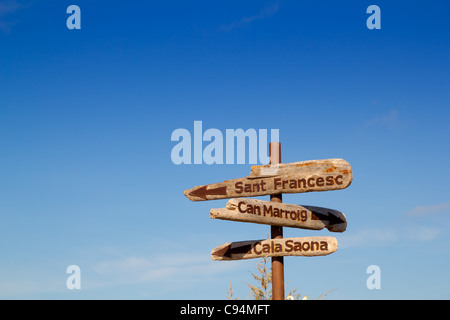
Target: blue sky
(86, 117)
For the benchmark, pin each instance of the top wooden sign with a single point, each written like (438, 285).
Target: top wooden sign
(296, 177)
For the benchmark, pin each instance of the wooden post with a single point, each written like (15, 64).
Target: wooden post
(276, 233)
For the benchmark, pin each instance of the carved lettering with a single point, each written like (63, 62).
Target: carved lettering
(311, 182)
(289, 246)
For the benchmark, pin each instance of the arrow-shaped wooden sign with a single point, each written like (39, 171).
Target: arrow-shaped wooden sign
(305, 246)
(296, 177)
(281, 214)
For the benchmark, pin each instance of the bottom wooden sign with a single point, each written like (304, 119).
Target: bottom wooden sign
(305, 246)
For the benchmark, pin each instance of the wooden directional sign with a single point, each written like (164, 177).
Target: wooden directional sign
(296, 177)
(281, 214)
(305, 246)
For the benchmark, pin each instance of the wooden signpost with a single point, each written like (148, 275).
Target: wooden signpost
(281, 214)
(274, 180)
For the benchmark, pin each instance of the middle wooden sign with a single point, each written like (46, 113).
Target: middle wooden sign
(281, 214)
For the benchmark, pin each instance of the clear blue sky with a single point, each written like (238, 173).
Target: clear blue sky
(86, 117)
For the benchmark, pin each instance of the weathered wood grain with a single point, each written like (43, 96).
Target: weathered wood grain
(304, 246)
(281, 214)
(297, 177)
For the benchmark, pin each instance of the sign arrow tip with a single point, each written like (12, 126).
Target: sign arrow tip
(203, 191)
(199, 192)
(222, 252)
